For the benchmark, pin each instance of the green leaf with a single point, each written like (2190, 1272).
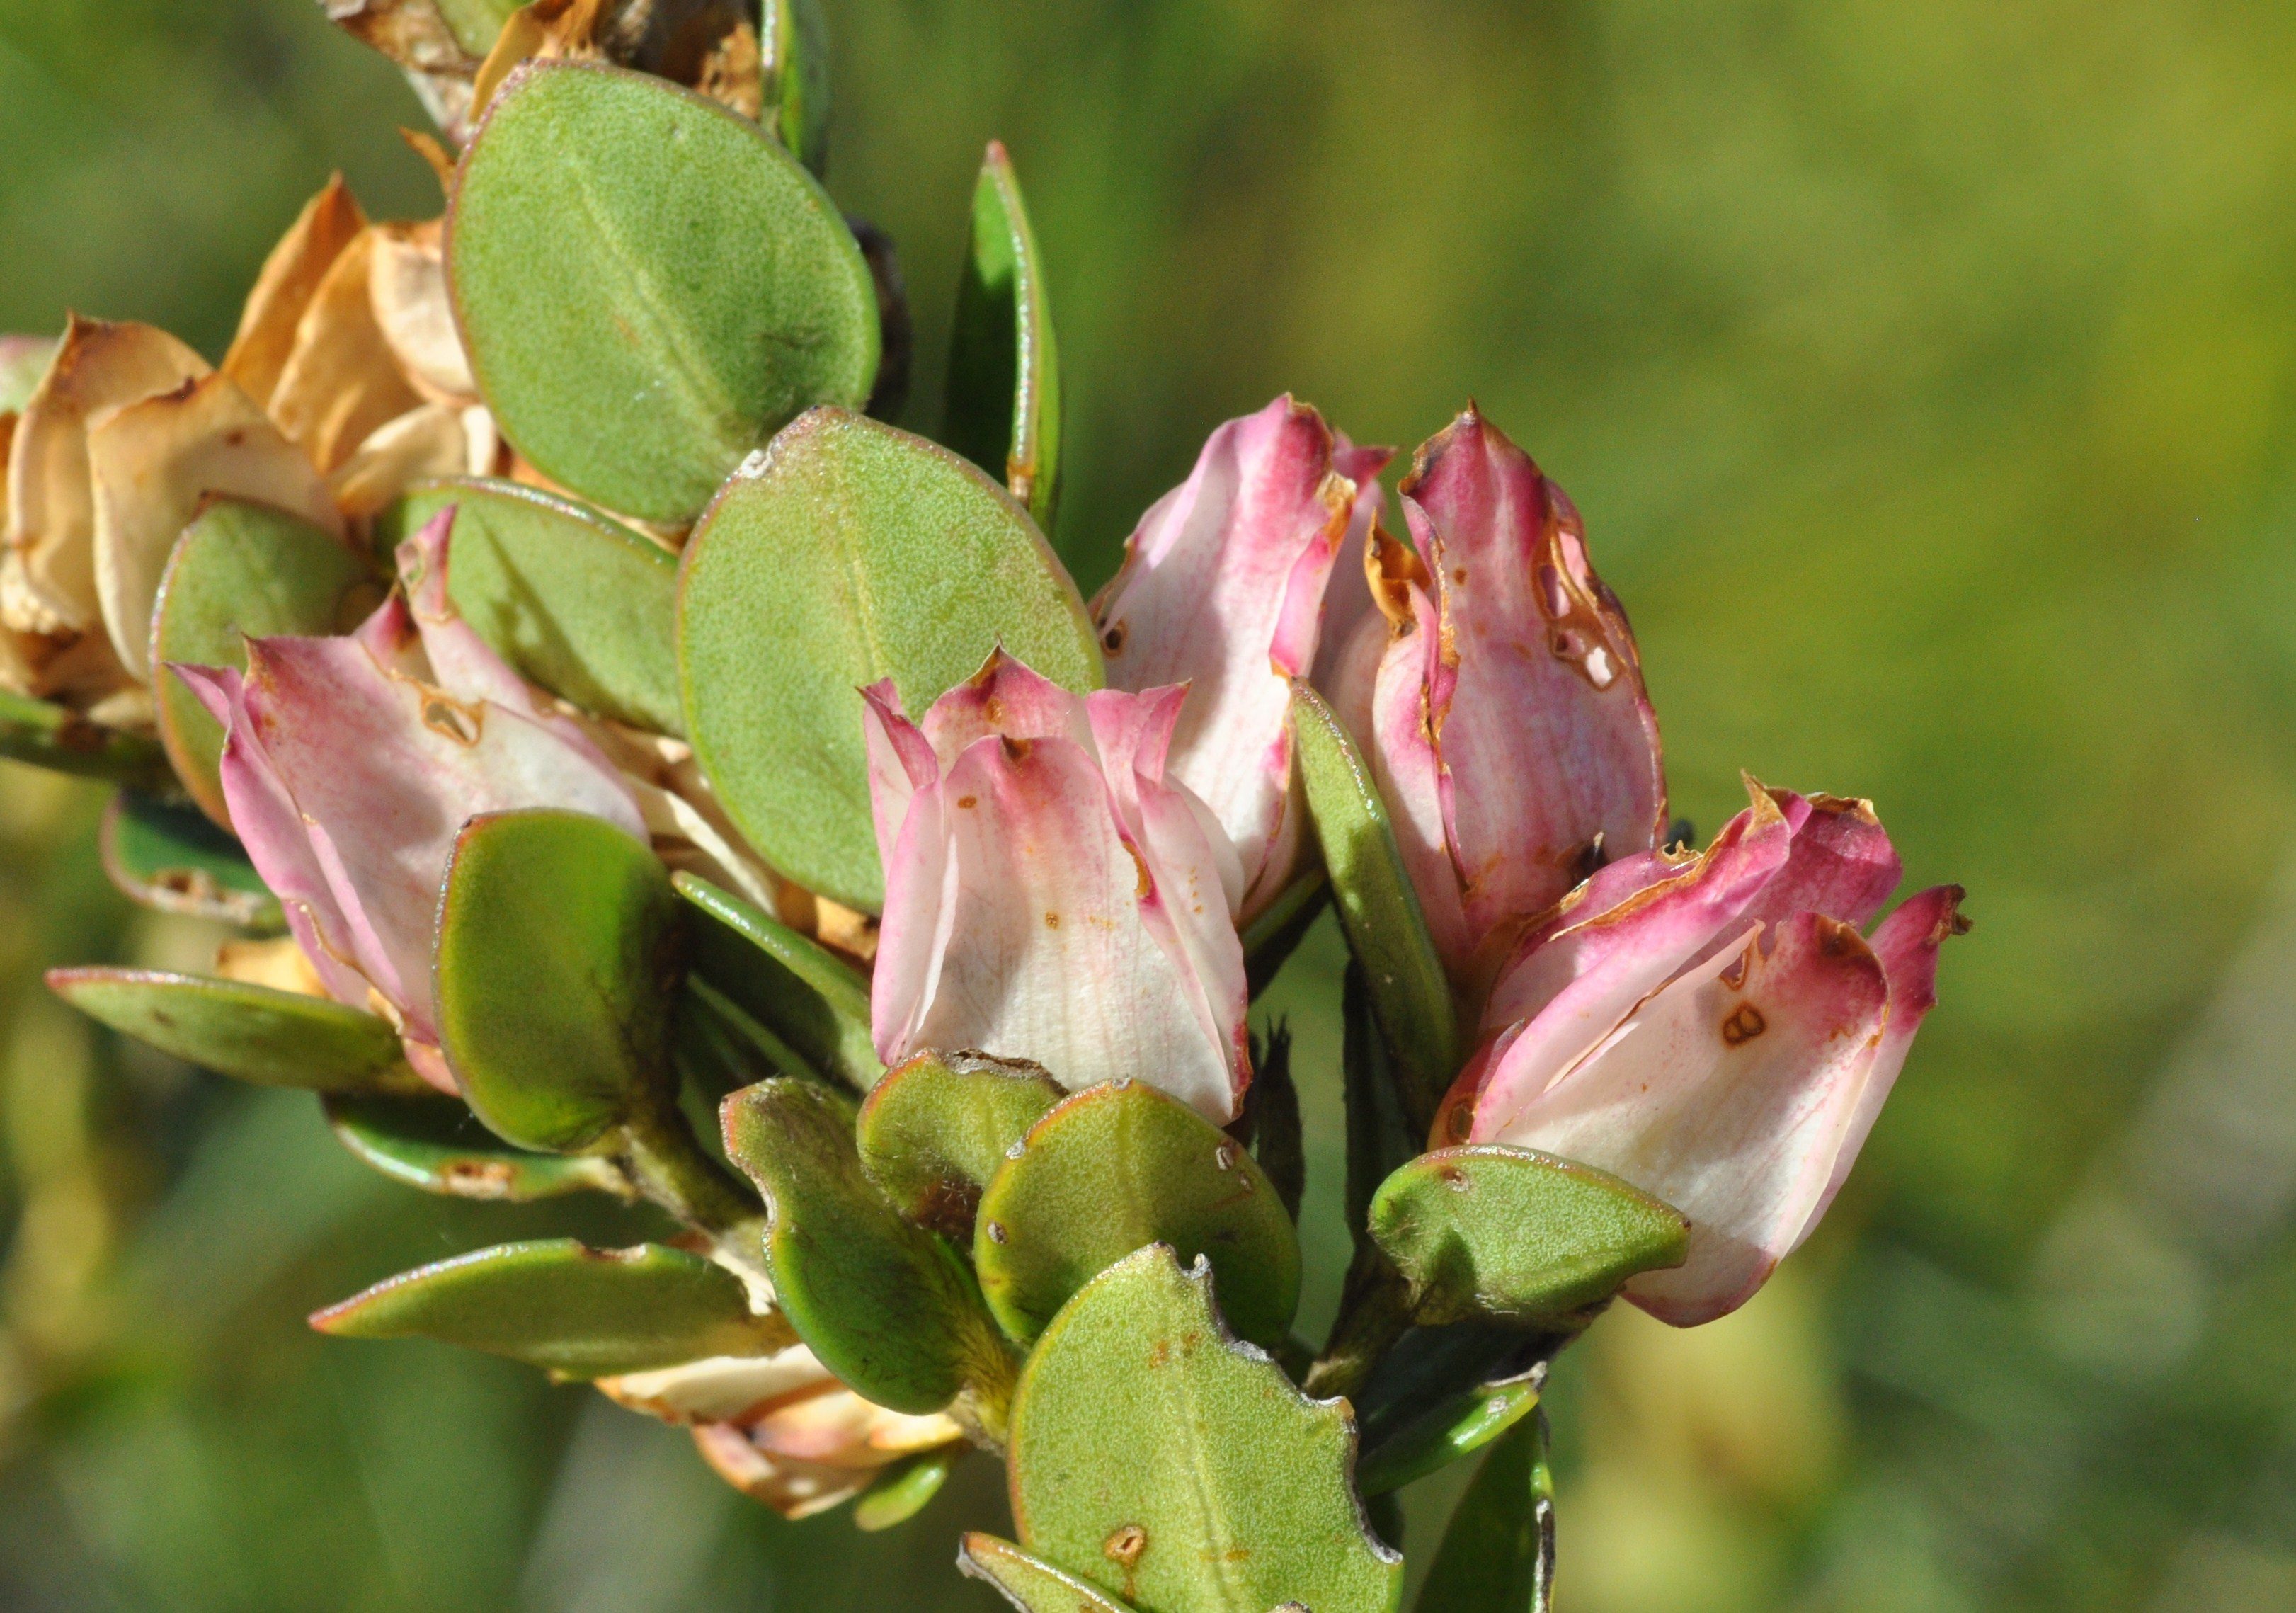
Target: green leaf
(1386, 931)
(1028, 1585)
(252, 1032)
(851, 552)
(1487, 1230)
(576, 601)
(1003, 365)
(171, 857)
(648, 286)
(791, 984)
(63, 741)
(1156, 1458)
(1457, 1427)
(795, 43)
(554, 975)
(887, 1306)
(1498, 1554)
(934, 1131)
(575, 1311)
(243, 571)
(1116, 1168)
(432, 1143)
(904, 1491)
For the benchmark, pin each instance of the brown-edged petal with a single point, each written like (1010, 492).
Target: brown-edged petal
(342, 381)
(408, 283)
(290, 277)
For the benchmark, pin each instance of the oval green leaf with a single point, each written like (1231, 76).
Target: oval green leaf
(554, 976)
(572, 1310)
(48, 735)
(576, 601)
(793, 42)
(904, 1491)
(171, 857)
(648, 287)
(1028, 1585)
(252, 1032)
(797, 988)
(887, 1306)
(1386, 931)
(1003, 365)
(243, 571)
(1155, 1458)
(431, 1142)
(1498, 1554)
(934, 1131)
(1114, 1169)
(847, 553)
(1487, 1230)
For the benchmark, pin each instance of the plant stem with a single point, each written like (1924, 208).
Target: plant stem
(1375, 1310)
(670, 1168)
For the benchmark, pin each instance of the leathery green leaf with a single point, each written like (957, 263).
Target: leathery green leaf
(574, 601)
(793, 41)
(171, 857)
(554, 975)
(847, 553)
(1003, 365)
(1454, 1428)
(1028, 1585)
(1488, 1231)
(1498, 1554)
(252, 1032)
(647, 286)
(791, 984)
(44, 735)
(1154, 1457)
(434, 1143)
(935, 1131)
(1116, 1168)
(886, 1305)
(1386, 931)
(243, 571)
(904, 1491)
(576, 1310)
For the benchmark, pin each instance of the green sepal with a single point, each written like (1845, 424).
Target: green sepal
(242, 571)
(936, 1129)
(251, 1033)
(1003, 410)
(1113, 1169)
(1498, 1554)
(1153, 1456)
(1386, 930)
(434, 1143)
(800, 990)
(554, 976)
(572, 1310)
(1032, 1586)
(648, 286)
(48, 735)
(847, 553)
(1514, 1234)
(903, 1490)
(168, 856)
(793, 41)
(887, 1306)
(571, 599)
(1451, 1429)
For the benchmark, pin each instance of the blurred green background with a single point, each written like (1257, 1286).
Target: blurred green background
(1923, 373)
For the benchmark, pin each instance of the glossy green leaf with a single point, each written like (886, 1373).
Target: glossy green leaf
(847, 552)
(434, 1143)
(935, 1131)
(252, 1032)
(904, 1491)
(647, 286)
(51, 737)
(243, 571)
(794, 42)
(1154, 1457)
(886, 1305)
(1457, 1427)
(788, 983)
(1498, 1554)
(570, 1309)
(1116, 1168)
(1003, 365)
(168, 856)
(1028, 1585)
(1487, 1230)
(576, 601)
(554, 975)
(1386, 931)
